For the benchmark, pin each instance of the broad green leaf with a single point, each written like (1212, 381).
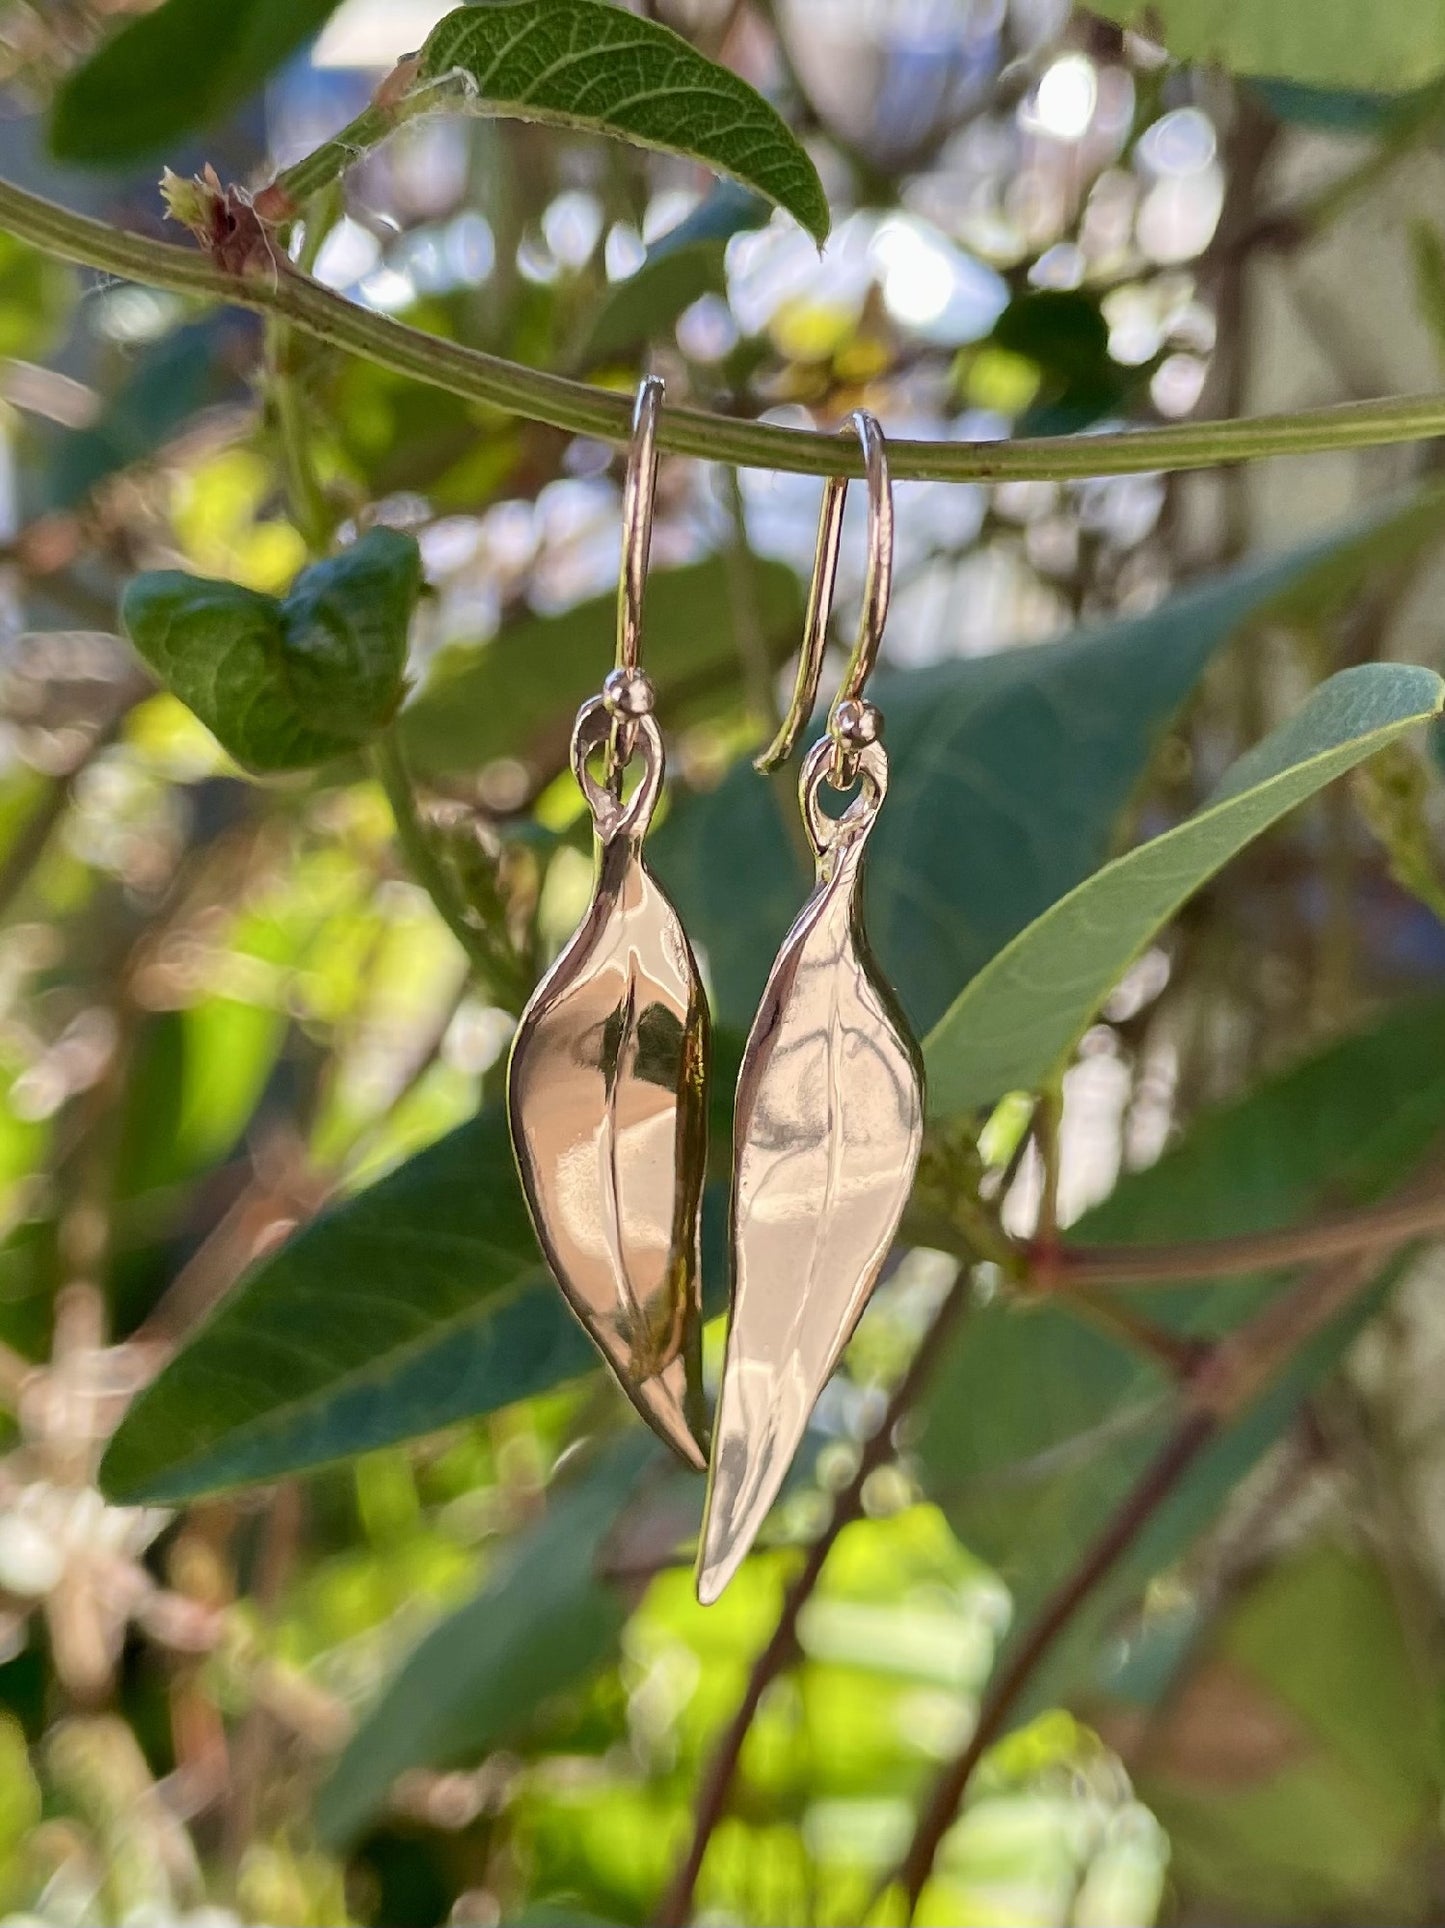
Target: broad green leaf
(587, 65)
(1387, 47)
(285, 683)
(687, 263)
(540, 1624)
(1021, 1016)
(1300, 1777)
(419, 1301)
(1007, 775)
(176, 69)
(1035, 1425)
(517, 695)
(422, 1300)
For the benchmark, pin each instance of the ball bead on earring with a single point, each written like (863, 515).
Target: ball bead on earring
(628, 694)
(855, 724)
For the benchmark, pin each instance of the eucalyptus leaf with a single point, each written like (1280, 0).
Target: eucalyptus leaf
(584, 64)
(421, 1300)
(1390, 46)
(1017, 1021)
(174, 70)
(541, 1623)
(1007, 777)
(285, 683)
(417, 1302)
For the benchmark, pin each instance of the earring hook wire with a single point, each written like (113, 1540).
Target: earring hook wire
(877, 589)
(627, 692)
(638, 495)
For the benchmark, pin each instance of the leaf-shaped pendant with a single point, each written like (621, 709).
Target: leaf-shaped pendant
(606, 1089)
(826, 1137)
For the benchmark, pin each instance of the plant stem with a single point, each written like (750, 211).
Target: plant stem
(305, 497)
(1173, 1461)
(583, 410)
(426, 867)
(1394, 1223)
(782, 1647)
(1231, 1375)
(395, 103)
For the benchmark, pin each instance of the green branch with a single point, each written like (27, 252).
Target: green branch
(422, 860)
(583, 410)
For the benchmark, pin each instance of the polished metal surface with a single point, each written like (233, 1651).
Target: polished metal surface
(826, 1138)
(606, 1091)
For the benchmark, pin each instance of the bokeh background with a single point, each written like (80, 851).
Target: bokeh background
(224, 1004)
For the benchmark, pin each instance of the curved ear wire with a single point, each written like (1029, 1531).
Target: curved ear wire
(638, 495)
(877, 588)
(627, 691)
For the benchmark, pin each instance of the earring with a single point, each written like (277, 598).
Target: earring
(607, 1078)
(829, 1118)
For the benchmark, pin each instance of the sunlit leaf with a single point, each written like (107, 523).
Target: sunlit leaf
(584, 64)
(421, 1300)
(1392, 45)
(1023, 1013)
(1007, 776)
(180, 67)
(285, 683)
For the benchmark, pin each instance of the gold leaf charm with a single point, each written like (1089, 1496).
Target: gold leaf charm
(606, 1089)
(826, 1138)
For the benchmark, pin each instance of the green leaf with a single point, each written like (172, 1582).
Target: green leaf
(1300, 1777)
(541, 1623)
(422, 1300)
(518, 694)
(1035, 1425)
(174, 70)
(1007, 774)
(684, 265)
(285, 684)
(1387, 47)
(1021, 1016)
(587, 65)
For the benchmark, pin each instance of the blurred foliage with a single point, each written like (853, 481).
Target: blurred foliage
(336, 1585)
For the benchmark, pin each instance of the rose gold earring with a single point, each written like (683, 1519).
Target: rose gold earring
(606, 1085)
(829, 1118)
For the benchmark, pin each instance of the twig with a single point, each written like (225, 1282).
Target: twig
(782, 1648)
(583, 410)
(1173, 1461)
(425, 865)
(1232, 1374)
(1394, 1223)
